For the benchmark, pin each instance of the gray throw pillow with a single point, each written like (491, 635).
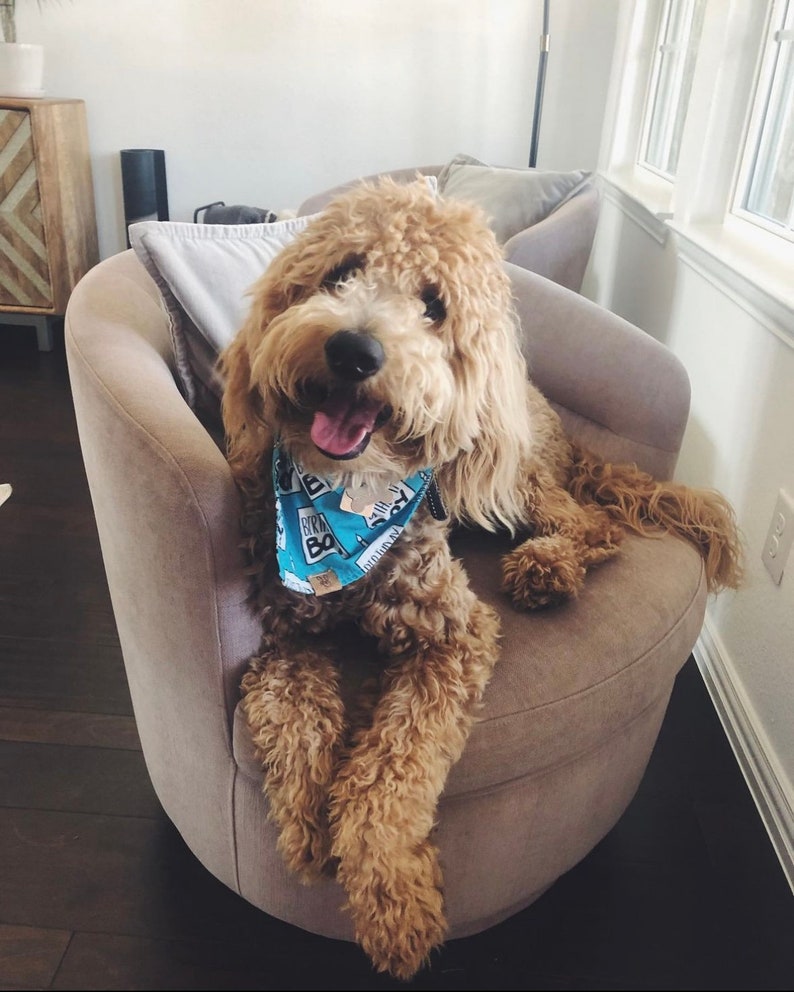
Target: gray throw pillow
(513, 199)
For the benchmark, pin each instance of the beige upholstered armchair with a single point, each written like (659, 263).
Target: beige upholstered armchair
(576, 702)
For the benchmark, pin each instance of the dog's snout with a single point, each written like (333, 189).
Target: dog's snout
(354, 355)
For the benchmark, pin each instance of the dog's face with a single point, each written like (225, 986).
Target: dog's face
(378, 341)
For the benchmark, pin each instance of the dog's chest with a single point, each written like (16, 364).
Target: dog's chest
(390, 578)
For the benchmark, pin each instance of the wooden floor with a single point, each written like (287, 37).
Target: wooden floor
(98, 891)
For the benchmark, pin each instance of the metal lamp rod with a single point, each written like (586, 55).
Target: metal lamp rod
(540, 85)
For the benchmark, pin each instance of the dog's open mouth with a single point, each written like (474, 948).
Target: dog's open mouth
(344, 423)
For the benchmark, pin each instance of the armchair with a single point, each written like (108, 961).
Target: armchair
(575, 704)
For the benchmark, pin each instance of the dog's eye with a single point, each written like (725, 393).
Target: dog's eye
(434, 305)
(342, 272)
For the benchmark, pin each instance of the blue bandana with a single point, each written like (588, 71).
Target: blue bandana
(327, 538)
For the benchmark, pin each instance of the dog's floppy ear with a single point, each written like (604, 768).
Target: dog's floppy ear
(480, 484)
(296, 271)
(241, 409)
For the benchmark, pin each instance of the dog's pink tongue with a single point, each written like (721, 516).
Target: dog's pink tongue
(343, 422)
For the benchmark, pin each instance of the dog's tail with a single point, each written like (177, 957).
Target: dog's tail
(640, 503)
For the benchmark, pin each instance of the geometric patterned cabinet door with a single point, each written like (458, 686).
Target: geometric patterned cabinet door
(48, 237)
(25, 275)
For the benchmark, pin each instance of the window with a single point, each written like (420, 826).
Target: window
(766, 182)
(699, 143)
(676, 47)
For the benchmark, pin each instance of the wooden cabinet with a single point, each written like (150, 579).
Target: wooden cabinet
(48, 235)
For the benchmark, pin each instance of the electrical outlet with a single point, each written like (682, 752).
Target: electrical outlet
(780, 537)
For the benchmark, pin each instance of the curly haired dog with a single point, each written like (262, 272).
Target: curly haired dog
(380, 362)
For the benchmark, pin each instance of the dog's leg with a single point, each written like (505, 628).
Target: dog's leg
(296, 717)
(383, 802)
(567, 539)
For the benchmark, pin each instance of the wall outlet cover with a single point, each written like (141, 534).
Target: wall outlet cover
(780, 536)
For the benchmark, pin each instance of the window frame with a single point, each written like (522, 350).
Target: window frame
(661, 47)
(780, 12)
(692, 218)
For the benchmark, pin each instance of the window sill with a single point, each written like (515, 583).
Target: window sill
(749, 265)
(643, 197)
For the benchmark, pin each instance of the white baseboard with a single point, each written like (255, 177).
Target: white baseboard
(775, 803)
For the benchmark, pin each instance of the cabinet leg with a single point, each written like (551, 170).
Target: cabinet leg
(44, 333)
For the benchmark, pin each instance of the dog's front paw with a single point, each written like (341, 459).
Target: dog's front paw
(390, 872)
(541, 572)
(398, 910)
(296, 721)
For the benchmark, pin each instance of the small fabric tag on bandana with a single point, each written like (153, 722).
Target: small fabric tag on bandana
(328, 537)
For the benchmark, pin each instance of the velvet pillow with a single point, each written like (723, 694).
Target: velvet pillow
(513, 199)
(204, 273)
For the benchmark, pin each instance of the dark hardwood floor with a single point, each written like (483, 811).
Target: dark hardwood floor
(98, 891)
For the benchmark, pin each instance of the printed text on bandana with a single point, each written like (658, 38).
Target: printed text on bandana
(317, 538)
(320, 544)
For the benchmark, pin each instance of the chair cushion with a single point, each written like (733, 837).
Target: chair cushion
(590, 666)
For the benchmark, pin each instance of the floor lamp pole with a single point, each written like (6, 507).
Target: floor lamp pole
(540, 85)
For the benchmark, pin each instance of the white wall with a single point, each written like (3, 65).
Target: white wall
(265, 102)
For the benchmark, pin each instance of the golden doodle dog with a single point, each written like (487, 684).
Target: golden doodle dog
(376, 395)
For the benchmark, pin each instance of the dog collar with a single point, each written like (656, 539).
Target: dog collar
(327, 537)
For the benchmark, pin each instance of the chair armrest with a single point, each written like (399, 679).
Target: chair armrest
(618, 390)
(558, 247)
(164, 498)
(167, 512)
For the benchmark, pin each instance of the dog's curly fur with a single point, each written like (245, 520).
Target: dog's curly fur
(353, 785)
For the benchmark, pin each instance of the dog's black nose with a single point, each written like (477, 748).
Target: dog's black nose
(354, 355)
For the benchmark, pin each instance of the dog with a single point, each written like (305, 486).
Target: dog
(379, 374)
